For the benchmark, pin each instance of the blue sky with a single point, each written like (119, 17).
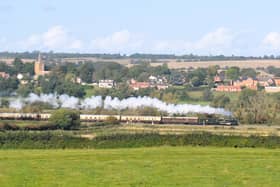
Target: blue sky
(147, 26)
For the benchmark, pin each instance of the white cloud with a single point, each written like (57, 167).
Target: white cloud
(116, 39)
(218, 41)
(55, 38)
(272, 40)
(220, 38)
(31, 41)
(76, 44)
(121, 41)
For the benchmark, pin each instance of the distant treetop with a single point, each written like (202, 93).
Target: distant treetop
(187, 57)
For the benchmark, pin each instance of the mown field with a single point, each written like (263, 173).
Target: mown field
(90, 129)
(241, 130)
(162, 166)
(173, 64)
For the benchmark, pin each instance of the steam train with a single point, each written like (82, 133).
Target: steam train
(128, 119)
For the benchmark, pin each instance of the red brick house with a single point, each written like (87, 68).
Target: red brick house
(230, 88)
(248, 83)
(138, 85)
(4, 75)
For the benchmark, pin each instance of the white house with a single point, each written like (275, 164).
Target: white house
(106, 83)
(152, 79)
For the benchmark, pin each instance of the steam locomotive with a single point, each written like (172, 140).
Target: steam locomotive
(128, 119)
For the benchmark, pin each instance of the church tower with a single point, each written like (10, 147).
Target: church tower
(39, 66)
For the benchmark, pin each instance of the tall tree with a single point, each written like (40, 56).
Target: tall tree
(86, 72)
(233, 73)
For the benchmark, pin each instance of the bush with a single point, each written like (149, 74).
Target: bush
(36, 107)
(220, 101)
(207, 95)
(47, 126)
(65, 119)
(7, 126)
(62, 140)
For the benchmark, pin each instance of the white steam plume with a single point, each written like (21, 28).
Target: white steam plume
(138, 102)
(45, 98)
(16, 104)
(69, 101)
(93, 102)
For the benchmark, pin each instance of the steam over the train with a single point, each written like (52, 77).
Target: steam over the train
(128, 119)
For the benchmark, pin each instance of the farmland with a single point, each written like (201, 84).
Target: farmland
(172, 63)
(91, 129)
(163, 166)
(241, 130)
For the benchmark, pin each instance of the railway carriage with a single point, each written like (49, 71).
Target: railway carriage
(180, 120)
(19, 116)
(45, 116)
(94, 118)
(140, 119)
(127, 119)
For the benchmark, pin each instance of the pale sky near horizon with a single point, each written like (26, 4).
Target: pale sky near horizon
(147, 26)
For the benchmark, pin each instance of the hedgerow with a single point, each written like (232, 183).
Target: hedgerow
(62, 140)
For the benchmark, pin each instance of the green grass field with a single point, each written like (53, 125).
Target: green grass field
(23, 123)
(163, 166)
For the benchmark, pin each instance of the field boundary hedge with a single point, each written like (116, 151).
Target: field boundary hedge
(64, 140)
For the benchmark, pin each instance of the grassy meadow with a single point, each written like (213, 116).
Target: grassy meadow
(162, 166)
(23, 123)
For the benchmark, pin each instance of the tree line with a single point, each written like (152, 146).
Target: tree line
(187, 57)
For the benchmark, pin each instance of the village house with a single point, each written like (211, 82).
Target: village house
(228, 88)
(162, 80)
(157, 80)
(265, 81)
(138, 85)
(154, 82)
(106, 83)
(276, 81)
(220, 77)
(4, 75)
(237, 86)
(248, 83)
(90, 84)
(162, 86)
(153, 79)
(78, 80)
(272, 89)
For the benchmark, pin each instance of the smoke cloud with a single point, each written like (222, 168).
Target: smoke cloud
(65, 101)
